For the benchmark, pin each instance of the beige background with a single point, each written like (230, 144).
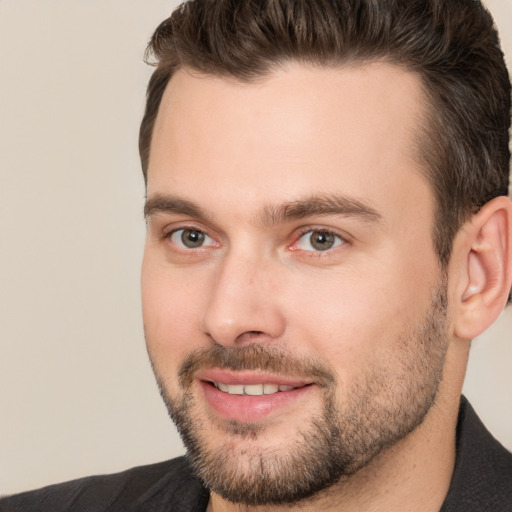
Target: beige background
(77, 395)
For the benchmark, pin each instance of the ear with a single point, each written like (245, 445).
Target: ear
(484, 258)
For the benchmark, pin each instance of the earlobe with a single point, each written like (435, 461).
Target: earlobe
(486, 256)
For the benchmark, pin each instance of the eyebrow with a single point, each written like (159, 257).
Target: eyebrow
(170, 204)
(332, 204)
(323, 205)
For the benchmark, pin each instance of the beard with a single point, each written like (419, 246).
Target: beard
(382, 406)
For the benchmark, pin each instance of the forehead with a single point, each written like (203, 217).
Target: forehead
(299, 131)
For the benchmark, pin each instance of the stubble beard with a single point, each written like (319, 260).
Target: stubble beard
(382, 407)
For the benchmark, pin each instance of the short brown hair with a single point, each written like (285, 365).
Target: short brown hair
(452, 44)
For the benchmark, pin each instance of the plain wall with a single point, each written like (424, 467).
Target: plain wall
(77, 395)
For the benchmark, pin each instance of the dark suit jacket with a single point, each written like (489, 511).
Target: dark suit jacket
(482, 482)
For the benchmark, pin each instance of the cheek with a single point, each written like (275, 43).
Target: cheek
(172, 309)
(343, 327)
(355, 320)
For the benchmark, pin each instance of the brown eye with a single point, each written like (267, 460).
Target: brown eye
(190, 238)
(319, 241)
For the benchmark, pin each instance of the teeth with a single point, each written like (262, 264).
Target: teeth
(270, 389)
(254, 389)
(251, 389)
(236, 389)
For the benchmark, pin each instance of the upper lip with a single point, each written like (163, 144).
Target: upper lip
(249, 377)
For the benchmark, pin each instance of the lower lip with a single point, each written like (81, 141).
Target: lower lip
(250, 409)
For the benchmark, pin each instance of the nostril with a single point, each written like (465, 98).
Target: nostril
(250, 336)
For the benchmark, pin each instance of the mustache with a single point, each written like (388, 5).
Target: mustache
(266, 358)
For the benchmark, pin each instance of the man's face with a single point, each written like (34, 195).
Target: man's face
(293, 304)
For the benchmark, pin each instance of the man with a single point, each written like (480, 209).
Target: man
(328, 228)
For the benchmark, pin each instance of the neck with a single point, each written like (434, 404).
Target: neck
(417, 469)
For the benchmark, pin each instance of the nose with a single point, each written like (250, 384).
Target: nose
(243, 306)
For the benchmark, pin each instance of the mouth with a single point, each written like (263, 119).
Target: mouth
(249, 396)
(253, 389)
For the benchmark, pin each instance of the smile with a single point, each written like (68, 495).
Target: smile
(249, 397)
(252, 389)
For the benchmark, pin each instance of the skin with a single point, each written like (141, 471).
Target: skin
(239, 150)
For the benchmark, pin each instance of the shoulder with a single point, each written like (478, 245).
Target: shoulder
(482, 480)
(162, 486)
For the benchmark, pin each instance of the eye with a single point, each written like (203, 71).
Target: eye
(191, 238)
(318, 240)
